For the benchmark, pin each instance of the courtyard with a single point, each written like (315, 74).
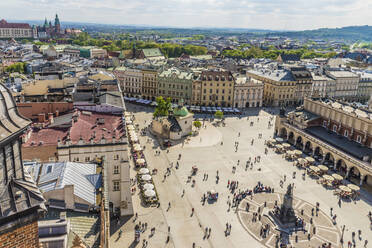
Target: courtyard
(214, 153)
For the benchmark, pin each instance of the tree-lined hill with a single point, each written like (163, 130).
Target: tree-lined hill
(352, 33)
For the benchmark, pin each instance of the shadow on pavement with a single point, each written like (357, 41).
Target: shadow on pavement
(116, 224)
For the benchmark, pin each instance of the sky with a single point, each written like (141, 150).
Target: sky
(258, 14)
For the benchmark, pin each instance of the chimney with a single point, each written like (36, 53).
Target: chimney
(41, 118)
(50, 117)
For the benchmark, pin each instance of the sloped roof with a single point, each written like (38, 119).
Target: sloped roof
(11, 121)
(152, 52)
(52, 176)
(5, 24)
(290, 57)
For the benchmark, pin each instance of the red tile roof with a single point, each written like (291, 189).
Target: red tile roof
(86, 126)
(5, 24)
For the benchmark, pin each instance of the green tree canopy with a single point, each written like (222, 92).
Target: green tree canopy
(218, 114)
(197, 124)
(163, 107)
(16, 67)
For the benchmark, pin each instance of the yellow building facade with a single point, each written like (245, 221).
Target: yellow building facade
(279, 87)
(217, 88)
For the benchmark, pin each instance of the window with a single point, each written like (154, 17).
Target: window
(87, 159)
(204, 98)
(346, 133)
(210, 90)
(335, 128)
(324, 123)
(116, 157)
(116, 169)
(359, 139)
(205, 91)
(49, 169)
(217, 91)
(116, 185)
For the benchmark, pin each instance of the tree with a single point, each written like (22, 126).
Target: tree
(197, 124)
(16, 67)
(218, 114)
(163, 107)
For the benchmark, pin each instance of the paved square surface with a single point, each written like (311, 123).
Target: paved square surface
(206, 152)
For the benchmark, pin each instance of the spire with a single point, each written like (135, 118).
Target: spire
(56, 20)
(45, 22)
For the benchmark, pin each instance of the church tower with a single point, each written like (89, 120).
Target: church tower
(57, 25)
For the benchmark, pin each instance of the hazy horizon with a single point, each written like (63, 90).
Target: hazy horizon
(246, 14)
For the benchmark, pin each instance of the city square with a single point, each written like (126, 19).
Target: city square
(214, 153)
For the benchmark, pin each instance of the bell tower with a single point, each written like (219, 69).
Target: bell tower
(57, 25)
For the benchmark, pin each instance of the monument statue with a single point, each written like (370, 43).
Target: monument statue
(286, 214)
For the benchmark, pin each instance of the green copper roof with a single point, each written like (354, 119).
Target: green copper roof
(56, 21)
(182, 112)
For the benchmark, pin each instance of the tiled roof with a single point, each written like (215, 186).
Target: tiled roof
(5, 24)
(290, 57)
(86, 126)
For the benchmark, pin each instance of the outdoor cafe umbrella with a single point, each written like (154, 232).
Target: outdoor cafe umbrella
(298, 152)
(150, 193)
(143, 170)
(146, 177)
(130, 127)
(328, 177)
(345, 188)
(290, 152)
(134, 138)
(141, 161)
(323, 167)
(271, 141)
(337, 177)
(310, 159)
(279, 146)
(353, 187)
(126, 114)
(286, 145)
(314, 168)
(148, 186)
(280, 140)
(137, 147)
(301, 161)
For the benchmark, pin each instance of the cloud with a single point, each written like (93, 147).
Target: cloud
(267, 14)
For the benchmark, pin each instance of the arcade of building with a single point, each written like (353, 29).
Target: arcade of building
(351, 168)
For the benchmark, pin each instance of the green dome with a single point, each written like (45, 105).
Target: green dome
(181, 111)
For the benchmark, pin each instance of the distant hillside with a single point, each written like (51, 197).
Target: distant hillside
(352, 33)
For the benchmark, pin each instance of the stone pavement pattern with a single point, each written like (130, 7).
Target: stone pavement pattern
(325, 230)
(209, 155)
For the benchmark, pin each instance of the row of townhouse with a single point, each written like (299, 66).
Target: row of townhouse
(290, 86)
(258, 87)
(204, 87)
